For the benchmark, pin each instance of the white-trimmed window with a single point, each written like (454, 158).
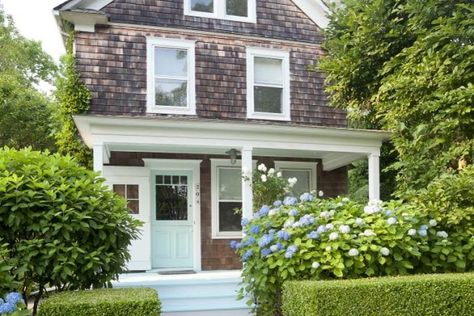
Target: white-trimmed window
(171, 76)
(304, 172)
(226, 182)
(234, 10)
(268, 84)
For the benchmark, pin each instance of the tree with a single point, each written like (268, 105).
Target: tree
(61, 226)
(72, 98)
(25, 113)
(407, 66)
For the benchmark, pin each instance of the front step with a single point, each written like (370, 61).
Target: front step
(206, 293)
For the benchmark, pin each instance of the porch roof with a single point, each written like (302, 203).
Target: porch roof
(336, 147)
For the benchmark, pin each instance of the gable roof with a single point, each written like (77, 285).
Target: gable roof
(316, 10)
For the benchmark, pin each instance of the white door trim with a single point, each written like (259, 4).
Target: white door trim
(195, 167)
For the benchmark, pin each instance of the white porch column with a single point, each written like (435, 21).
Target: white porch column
(247, 195)
(374, 176)
(98, 154)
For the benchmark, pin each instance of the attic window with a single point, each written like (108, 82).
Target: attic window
(234, 10)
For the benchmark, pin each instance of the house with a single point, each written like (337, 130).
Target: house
(190, 94)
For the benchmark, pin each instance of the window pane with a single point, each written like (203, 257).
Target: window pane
(237, 7)
(268, 99)
(171, 93)
(171, 202)
(132, 191)
(230, 184)
(228, 220)
(268, 70)
(133, 206)
(304, 182)
(202, 5)
(171, 62)
(119, 189)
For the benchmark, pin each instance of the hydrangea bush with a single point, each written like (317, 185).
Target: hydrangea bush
(309, 238)
(13, 305)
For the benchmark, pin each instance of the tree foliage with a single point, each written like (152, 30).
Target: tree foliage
(72, 98)
(25, 113)
(408, 66)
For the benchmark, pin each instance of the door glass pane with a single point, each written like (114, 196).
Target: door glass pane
(268, 99)
(203, 5)
(171, 92)
(237, 7)
(268, 70)
(230, 184)
(303, 184)
(171, 62)
(228, 220)
(171, 202)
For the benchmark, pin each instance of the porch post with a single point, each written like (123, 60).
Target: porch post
(98, 155)
(247, 196)
(374, 176)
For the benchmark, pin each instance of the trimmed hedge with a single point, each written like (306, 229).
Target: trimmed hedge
(435, 294)
(103, 302)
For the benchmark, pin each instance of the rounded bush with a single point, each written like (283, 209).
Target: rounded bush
(61, 223)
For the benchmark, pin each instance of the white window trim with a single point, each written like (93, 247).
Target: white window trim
(220, 12)
(215, 233)
(251, 53)
(299, 165)
(153, 42)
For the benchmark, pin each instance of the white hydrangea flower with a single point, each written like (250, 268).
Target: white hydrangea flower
(332, 212)
(324, 214)
(442, 234)
(374, 206)
(391, 221)
(359, 221)
(271, 172)
(320, 193)
(272, 212)
(262, 167)
(333, 236)
(329, 226)
(279, 174)
(315, 265)
(384, 251)
(264, 178)
(345, 229)
(433, 222)
(369, 233)
(292, 181)
(296, 225)
(353, 252)
(346, 199)
(412, 232)
(288, 223)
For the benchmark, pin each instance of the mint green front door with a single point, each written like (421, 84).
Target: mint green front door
(172, 219)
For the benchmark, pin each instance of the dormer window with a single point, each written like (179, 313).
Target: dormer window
(234, 10)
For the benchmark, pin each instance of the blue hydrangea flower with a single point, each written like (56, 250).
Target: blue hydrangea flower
(388, 212)
(289, 200)
(277, 203)
(244, 222)
(283, 235)
(307, 220)
(423, 232)
(255, 229)
(291, 251)
(423, 227)
(265, 240)
(313, 235)
(277, 247)
(264, 210)
(14, 297)
(306, 197)
(248, 241)
(391, 221)
(293, 212)
(265, 252)
(234, 244)
(7, 308)
(246, 256)
(322, 229)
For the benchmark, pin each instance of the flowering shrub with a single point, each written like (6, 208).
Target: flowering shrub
(309, 238)
(13, 305)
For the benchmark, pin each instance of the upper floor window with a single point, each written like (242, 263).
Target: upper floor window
(235, 10)
(171, 76)
(268, 84)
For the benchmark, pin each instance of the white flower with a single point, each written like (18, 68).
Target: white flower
(333, 236)
(320, 193)
(271, 172)
(262, 167)
(442, 234)
(279, 174)
(345, 200)
(264, 178)
(292, 181)
(359, 221)
(332, 212)
(433, 222)
(369, 232)
(272, 212)
(296, 225)
(384, 251)
(315, 265)
(353, 252)
(345, 229)
(391, 221)
(412, 232)
(374, 206)
(288, 223)
(274, 248)
(329, 226)
(325, 214)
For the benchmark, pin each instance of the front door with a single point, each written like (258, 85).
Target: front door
(172, 219)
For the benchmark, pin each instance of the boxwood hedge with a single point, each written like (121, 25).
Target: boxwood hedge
(103, 302)
(435, 294)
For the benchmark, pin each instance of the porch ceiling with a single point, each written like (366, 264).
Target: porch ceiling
(336, 147)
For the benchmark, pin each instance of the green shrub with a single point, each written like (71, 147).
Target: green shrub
(62, 225)
(438, 294)
(103, 302)
(313, 239)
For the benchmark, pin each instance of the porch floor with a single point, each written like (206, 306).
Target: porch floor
(203, 293)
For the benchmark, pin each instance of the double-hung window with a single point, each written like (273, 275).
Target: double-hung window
(304, 172)
(268, 84)
(171, 76)
(235, 10)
